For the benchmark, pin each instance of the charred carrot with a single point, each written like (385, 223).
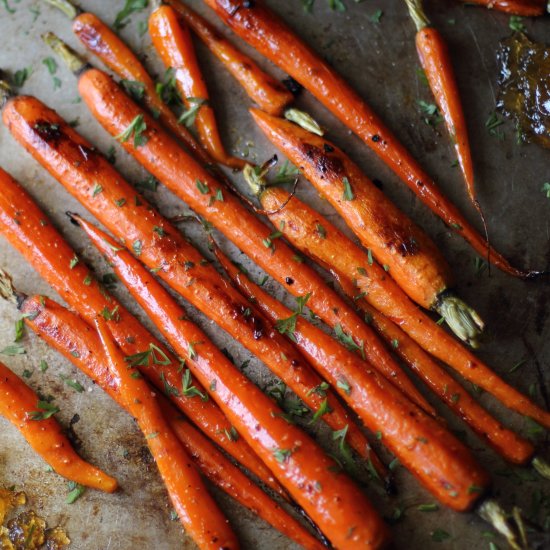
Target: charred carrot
(261, 28)
(206, 196)
(438, 68)
(411, 257)
(300, 378)
(34, 419)
(269, 94)
(292, 456)
(99, 39)
(525, 8)
(198, 512)
(338, 253)
(395, 409)
(29, 231)
(172, 41)
(77, 341)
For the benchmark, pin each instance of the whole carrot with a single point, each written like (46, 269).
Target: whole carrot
(256, 24)
(421, 443)
(269, 94)
(79, 343)
(29, 231)
(172, 41)
(411, 257)
(34, 418)
(99, 39)
(300, 378)
(338, 253)
(331, 499)
(208, 197)
(526, 8)
(438, 68)
(198, 512)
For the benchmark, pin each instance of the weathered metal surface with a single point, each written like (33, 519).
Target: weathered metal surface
(380, 60)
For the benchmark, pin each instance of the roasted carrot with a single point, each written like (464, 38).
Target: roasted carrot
(411, 257)
(172, 41)
(29, 231)
(331, 500)
(394, 412)
(269, 94)
(261, 28)
(99, 39)
(338, 253)
(438, 68)
(300, 378)
(33, 418)
(197, 510)
(526, 8)
(204, 194)
(77, 341)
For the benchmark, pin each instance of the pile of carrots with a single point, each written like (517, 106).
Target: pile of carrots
(189, 400)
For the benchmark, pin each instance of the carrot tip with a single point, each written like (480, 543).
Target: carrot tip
(460, 317)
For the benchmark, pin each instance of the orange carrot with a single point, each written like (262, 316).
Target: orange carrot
(329, 498)
(198, 512)
(172, 41)
(438, 68)
(402, 422)
(33, 418)
(261, 28)
(411, 257)
(526, 8)
(29, 231)
(269, 94)
(338, 253)
(162, 156)
(300, 378)
(76, 341)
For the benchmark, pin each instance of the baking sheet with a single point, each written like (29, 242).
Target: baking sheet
(380, 60)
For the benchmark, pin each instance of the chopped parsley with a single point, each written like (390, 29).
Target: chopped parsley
(134, 88)
(188, 390)
(75, 492)
(129, 8)
(189, 115)
(348, 191)
(136, 128)
(282, 455)
(45, 410)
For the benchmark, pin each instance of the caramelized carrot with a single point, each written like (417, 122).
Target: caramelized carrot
(526, 8)
(269, 94)
(411, 257)
(261, 28)
(438, 68)
(338, 253)
(300, 378)
(77, 342)
(330, 499)
(29, 231)
(172, 41)
(197, 511)
(33, 418)
(395, 410)
(162, 156)
(509, 445)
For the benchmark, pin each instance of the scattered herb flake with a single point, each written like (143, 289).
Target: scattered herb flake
(45, 411)
(129, 8)
(189, 115)
(75, 492)
(348, 191)
(135, 128)
(13, 349)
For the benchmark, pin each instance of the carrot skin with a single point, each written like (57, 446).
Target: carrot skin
(76, 340)
(436, 62)
(29, 231)
(99, 39)
(507, 443)
(300, 378)
(268, 34)
(269, 94)
(258, 419)
(115, 111)
(172, 41)
(414, 261)
(382, 408)
(341, 255)
(198, 512)
(525, 8)
(17, 403)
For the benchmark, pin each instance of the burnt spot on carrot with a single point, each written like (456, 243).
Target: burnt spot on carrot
(327, 165)
(48, 131)
(251, 318)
